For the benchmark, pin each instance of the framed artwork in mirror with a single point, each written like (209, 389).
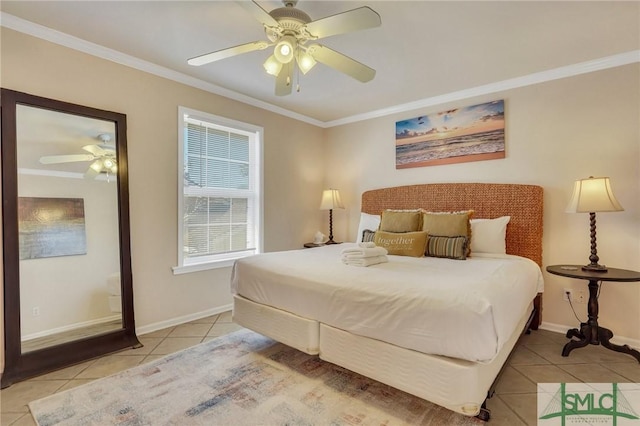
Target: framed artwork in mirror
(51, 227)
(68, 293)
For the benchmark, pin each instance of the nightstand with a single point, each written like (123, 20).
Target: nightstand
(311, 245)
(590, 332)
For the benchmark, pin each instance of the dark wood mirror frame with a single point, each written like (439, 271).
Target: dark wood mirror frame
(19, 365)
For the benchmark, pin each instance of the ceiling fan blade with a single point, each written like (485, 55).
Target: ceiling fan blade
(57, 159)
(345, 22)
(284, 80)
(227, 53)
(259, 13)
(342, 63)
(99, 151)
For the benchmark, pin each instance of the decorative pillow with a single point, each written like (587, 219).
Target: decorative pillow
(489, 235)
(401, 220)
(449, 247)
(449, 224)
(368, 236)
(367, 221)
(402, 243)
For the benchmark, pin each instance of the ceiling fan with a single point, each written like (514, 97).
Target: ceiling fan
(290, 30)
(102, 155)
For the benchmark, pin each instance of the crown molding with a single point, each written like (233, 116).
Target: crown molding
(500, 86)
(63, 39)
(27, 27)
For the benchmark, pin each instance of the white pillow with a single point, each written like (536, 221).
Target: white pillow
(367, 221)
(489, 235)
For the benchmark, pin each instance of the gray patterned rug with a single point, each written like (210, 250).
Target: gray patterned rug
(239, 379)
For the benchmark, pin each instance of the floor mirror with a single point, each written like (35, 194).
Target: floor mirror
(68, 293)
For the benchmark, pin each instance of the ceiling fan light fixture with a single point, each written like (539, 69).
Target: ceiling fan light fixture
(285, 49)
(272, 66)
(305, 62)
(97, 166)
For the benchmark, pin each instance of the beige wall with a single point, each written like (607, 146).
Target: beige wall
(556, 132)
(293, 166)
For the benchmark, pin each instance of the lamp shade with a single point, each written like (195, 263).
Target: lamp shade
(331, 200)
(593, 195)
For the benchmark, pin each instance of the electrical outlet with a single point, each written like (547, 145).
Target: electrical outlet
(566, 294)
(36, 311)
(581, 297)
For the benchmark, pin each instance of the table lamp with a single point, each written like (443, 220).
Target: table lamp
(593, 195)
(331, 200)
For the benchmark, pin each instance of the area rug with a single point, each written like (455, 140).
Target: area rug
(239, 379)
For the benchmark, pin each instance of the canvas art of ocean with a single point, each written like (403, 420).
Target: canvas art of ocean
(458, 135)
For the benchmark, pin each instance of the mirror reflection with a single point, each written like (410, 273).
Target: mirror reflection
(70, 285)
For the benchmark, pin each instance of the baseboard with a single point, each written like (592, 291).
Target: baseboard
(562, 329)
(181, 320)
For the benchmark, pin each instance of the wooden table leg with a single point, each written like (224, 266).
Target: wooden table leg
(605, 335)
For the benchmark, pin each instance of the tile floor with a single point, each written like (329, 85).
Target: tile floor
(537, 359)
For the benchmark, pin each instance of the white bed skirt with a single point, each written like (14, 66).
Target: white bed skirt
(458, 385)
(292, 330)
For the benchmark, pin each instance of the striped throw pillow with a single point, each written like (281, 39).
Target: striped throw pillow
(368, 236)
(449, 247)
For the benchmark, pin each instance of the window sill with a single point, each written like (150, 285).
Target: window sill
(186, 269)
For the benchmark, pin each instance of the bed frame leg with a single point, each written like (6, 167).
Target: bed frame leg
(485, 413)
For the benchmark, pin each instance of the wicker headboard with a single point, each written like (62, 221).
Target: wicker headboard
(489, 200)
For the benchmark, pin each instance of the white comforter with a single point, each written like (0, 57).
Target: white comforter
(459, 308)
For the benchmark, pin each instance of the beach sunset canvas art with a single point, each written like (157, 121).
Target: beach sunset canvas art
(458, 135)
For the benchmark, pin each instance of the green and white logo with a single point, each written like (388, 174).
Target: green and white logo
(614, 404)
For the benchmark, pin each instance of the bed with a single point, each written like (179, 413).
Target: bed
(299, 298)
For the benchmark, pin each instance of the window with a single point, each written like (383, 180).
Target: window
(219, 191)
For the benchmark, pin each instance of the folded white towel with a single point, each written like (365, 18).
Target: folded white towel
(368, 244)
(366, 261)
(364, 252)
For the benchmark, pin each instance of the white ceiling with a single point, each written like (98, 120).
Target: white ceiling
(424, 49)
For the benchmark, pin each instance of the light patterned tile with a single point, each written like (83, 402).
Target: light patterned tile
(525, 356)
(26, 420)
(175, 344)
(206, 320)
(16, 397)
(74, 383)
(190, 330)
(224, 317)
(553, 354)
(9, 418)
(525, 405)
(151, 358)
(159, 333)
(512, 381)
(593, 373)
(220, 329)
(545, 374)
(501, 414)
(629, 370)
(66, 373)
(544, 337)
(109, 365)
